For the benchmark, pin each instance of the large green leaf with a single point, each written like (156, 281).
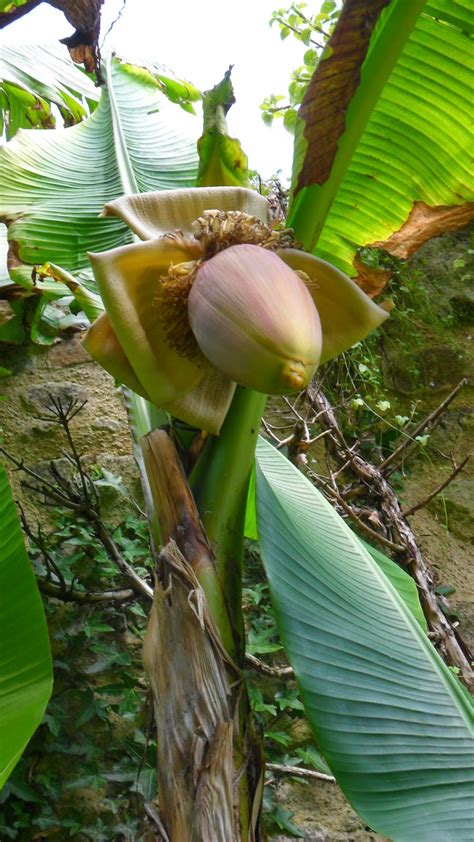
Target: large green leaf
(400, 136)
(401, 581)
(54, 184)
(34, 76)
(25, 657)
(391, 720)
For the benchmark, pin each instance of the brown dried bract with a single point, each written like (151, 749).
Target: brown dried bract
(218, 230)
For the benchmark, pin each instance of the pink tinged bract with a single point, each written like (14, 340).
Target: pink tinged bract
(151, 215)
(255, 320)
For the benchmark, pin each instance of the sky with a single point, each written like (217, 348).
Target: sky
(198, 41)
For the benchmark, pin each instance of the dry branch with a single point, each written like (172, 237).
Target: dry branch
(86, 597)
(446, 637)
(423, 425)
(79, 495)
(265, 669)
(438, 489)
(299, 772)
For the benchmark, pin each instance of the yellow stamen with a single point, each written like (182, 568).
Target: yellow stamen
(172, 304)
(294, 374)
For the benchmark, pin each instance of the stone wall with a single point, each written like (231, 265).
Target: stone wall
(29, 432)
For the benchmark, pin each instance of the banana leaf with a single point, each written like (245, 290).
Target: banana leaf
(391, 719)
(34, 77)
(400, 580)
(383, 137)
(221, 157)
(25, 656)
(54, 184)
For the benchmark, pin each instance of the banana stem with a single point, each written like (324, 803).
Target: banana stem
(220, 483)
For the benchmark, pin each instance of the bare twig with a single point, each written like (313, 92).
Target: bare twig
(115, 20)
(270, 433)
(438, 489)
(81, 497)
(63, 416)
(262, 667)
(138, 584)
(299, 772)
(68, 595)
(426, 422)
(46, 486)
(39, 539)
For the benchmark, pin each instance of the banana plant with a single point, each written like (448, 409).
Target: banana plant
(207, 311)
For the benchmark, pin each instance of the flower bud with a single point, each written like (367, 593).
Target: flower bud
(254, 319)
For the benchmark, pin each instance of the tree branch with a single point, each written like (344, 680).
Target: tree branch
(298, 772)
(138, 584)
(265, 669)
(426, 422)
(69, 595)
(438, 489)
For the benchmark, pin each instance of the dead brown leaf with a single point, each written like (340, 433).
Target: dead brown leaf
(423, 223)
(332, 87)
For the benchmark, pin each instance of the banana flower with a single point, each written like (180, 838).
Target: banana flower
(213, 296)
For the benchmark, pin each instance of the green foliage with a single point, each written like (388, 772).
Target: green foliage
(363, 383)
(179, 91)
(276, 818)
(49, 227)
(125, 138)
(276, 704)
(403, 583)
(93, 747)
(261, 640)
(331, 600)
(7, 6)
(405, 136)
(312, 31)
(25, 659)
(34, 79)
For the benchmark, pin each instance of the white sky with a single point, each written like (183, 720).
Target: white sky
(198, 40)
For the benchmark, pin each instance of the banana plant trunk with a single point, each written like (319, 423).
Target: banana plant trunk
(210, 760)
